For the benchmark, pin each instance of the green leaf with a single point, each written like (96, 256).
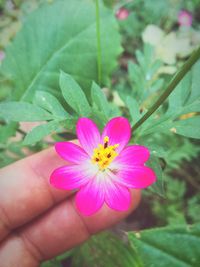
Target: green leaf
(176, 246)
(7, 131)
(186, 97)
(133, 108)
(60, 35)
(22, 111)
(189, 127)
(51, 263)
(39, 132)
(49, 102)
(179, 96)
(105, 250)
(195, 92)
(73, 95)
(99, 99)
(109, 3)
(143, 75)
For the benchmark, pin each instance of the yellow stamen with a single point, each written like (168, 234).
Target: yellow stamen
(104, 154)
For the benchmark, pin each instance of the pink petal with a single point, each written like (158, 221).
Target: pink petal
(88, 134)
(71, 152)
(117, 197)
(132, 155)
(90, 198)
(119, 131)
(70, 177)
(136, 177)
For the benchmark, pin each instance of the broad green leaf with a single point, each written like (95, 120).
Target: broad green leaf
(73, 95)
(37, 133)
(49, 102)
(188, 127)
(99, 99)
(176, 246)
(60, 35)
(158, 186)
(22, 111)
(105, 250)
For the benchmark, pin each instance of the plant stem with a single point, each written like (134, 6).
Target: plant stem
(98, 33)
(171, 86)
(18, 130)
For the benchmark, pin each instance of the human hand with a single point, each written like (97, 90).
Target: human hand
(36, 220)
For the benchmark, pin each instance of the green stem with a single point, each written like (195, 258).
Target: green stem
(171, 86)
(98, 32)
(18, 130)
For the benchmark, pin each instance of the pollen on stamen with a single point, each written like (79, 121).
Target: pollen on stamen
(104, 154)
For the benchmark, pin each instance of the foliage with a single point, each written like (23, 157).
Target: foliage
(35, 57)
(49, 76)
(104, 253)
(156, 247)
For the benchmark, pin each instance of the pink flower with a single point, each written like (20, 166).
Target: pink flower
(104, 167)
(184, 18)
(122, 13)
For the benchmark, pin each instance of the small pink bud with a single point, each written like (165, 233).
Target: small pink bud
(185, 18)
(122, 14)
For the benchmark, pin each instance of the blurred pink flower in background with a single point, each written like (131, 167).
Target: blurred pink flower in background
(122, 13)
(103, 168)
(185, 18)
(2, 55)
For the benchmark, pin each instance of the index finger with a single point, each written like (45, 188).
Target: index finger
(25, 191)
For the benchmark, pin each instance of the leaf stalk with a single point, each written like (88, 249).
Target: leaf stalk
(98, 34)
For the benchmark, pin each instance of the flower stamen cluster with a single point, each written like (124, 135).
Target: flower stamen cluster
(104, 154)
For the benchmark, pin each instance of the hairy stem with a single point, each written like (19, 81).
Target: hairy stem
(171, 86)
(98, 32)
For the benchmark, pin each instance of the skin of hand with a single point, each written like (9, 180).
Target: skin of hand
(37, 221)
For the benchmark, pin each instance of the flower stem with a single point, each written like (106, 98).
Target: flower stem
(98, 33)
(171, 86)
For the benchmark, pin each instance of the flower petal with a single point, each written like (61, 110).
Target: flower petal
(90, 198)
(136, 177)
(119, 131)
(70, 177)
(71, 152)
(117, 197)
(132, 155)
(88, 134)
